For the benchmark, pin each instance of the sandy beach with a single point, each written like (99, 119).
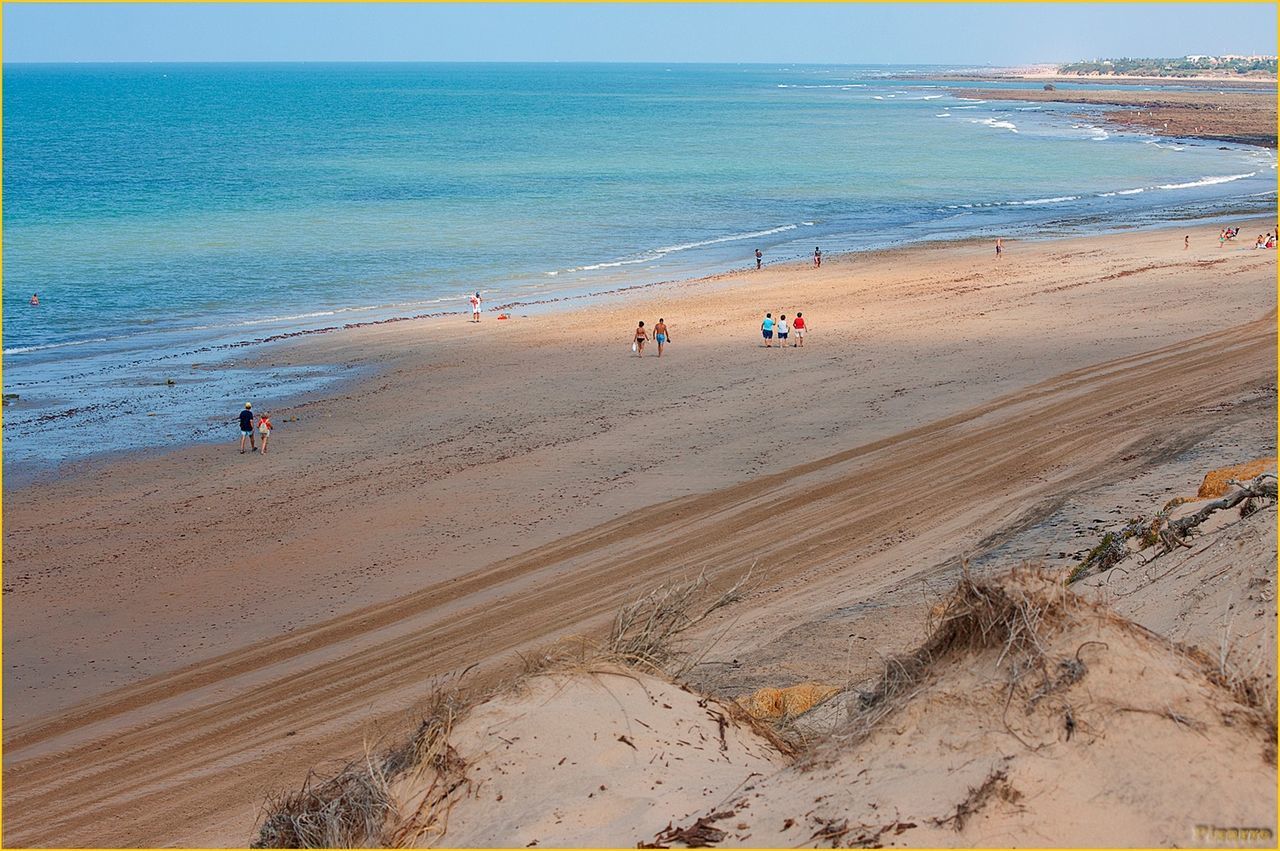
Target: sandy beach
(189, 631)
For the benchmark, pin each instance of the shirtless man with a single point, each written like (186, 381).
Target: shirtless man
(661, 334)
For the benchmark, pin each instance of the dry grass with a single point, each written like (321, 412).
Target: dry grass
(357, 807)
(1013, 614)
(647, 632)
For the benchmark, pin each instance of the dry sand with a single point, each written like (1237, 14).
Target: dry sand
(175, 649)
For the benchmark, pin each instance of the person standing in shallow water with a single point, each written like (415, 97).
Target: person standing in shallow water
(759, 258)
(661, 335)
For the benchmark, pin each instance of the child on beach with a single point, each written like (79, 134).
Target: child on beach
(766, 328)
(661, 334)
(999, 247)
(782, 331)
(817, 257)
(246, 427)
(759, 257)
(1186, 242)
(798, 325)
(264, 429)
(475, 307)
(637, 345)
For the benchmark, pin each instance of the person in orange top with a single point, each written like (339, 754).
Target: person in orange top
(800, 328)
(264, 430)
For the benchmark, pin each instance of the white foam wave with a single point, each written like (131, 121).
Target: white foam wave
(1206, 181)
(992, 122)
(671, 249)
(942, 115)
(659, 253)
(271, 319)
(17, 350)
(1060, 199)
(611, 264)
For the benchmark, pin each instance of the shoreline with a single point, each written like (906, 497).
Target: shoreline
(26, 475)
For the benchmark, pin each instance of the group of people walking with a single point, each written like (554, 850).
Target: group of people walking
(770, 326)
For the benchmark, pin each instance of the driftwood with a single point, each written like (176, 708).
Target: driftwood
(1263, 487)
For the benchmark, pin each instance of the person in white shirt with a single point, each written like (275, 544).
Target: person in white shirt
(782, 330)
(475, 307)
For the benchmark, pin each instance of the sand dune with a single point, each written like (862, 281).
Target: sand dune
(1030, 716)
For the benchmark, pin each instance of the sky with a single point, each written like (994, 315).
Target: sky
(904, 33)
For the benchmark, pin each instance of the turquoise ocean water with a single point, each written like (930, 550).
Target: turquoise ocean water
(177, 214)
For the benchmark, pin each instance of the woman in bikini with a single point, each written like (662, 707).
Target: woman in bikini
(642, 336)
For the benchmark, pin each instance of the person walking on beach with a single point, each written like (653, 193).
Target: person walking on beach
(475, 307)
(661, 335)
(798, 325)
(1186, 242)
(999, 246)
(766, 328)
(264, 429)
(246, 427)
(817, 257)
(642, 336)
(759, 257)
(782, 331)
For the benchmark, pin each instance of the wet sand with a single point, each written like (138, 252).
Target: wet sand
(188, 631)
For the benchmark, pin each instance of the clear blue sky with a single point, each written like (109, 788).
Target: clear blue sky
(881, 33)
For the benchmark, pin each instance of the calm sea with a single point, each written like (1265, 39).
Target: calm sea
(168, 214)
